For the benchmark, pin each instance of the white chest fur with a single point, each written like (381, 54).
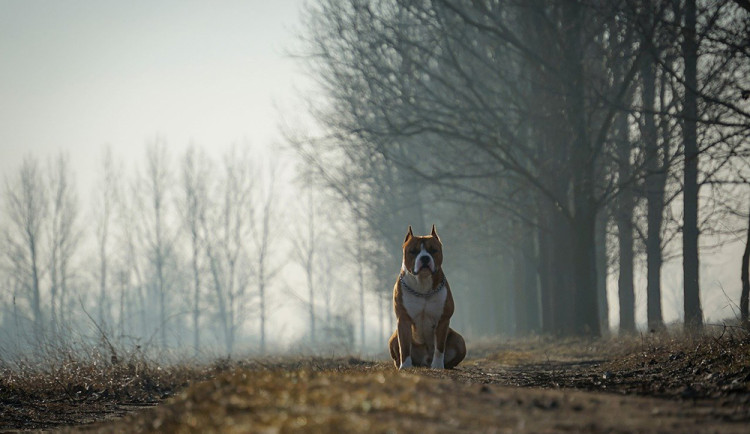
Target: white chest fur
(425, 313)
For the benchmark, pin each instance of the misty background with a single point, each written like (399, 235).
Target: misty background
(238, 178)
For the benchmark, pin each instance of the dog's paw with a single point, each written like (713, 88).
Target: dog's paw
(438, 361)
(405, 364)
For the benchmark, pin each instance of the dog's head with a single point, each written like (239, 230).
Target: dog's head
(422, 255)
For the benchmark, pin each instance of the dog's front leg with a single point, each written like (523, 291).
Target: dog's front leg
(441, 334)
(404, 342)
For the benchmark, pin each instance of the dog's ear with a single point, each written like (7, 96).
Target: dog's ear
(434, 233)
(408, 235)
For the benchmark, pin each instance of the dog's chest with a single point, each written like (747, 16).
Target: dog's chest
(424, 313)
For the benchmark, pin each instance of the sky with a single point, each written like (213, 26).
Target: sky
(77, 75)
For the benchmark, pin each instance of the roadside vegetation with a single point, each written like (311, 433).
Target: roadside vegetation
(710, 372)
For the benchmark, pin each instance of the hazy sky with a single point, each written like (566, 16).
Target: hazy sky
(76, 75)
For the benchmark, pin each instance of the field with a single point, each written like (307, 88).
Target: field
(655, 383)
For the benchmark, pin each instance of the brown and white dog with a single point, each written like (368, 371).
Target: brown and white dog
(424, 305)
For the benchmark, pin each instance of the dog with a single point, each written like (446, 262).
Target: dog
(423, 304)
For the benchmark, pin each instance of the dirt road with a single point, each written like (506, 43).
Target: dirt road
(507, 390)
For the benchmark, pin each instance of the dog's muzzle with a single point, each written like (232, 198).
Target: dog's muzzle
(424, 260)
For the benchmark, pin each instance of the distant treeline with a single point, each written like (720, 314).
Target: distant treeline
(181, 253)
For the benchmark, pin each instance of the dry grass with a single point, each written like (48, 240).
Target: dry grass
(70, 387)
(712, 365)
(350, 394)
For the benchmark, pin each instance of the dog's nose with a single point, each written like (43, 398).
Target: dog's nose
(425, 259)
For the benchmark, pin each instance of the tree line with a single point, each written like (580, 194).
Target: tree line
(179, 253)
(562, 140)
(557, 146)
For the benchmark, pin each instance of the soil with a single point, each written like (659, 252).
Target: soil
(652, 384)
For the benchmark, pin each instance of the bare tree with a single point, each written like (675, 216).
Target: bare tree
(156, 187)
(27, 209)
(105, 200)
(227, 227)
(264, 226)
(63, 237)
(133, 274)
(688, 76)
(656, 168)
(626, 201)
(305, 249)
(316, 244)
(193, 207)
(692, 302)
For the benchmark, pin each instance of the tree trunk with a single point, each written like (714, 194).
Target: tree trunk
(53, 307)
(162, 314)
(220, 294)
(552, 279)
(36, 298)
(160, 278)
(310, 286)
(655, 181)
(521, 318)
(625, 240)
(557, 274)
(745, 280)
(544, 271)
(531, 284)
(231, 323)
(586, 317)
(624, 220)
(121, 316)
(143, 299)
(196, 294)
(690, 261)
(63, 294)
(309, 260)
(601, 269)
(361, 290)
(103, 280)
(562, 284)
(526, 295)
(53, 273)
(504, 307)
(583, 216)
(262, 319)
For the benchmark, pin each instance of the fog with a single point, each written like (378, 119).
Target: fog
(196, 181)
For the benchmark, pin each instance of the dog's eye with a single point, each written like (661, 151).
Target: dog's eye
(413, 251)
(432, 251)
